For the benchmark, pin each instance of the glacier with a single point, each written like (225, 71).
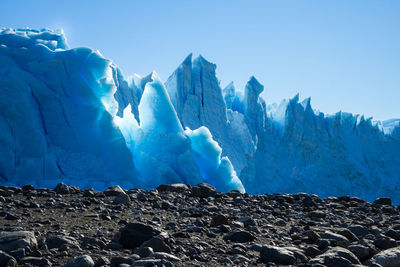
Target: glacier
(68, 114)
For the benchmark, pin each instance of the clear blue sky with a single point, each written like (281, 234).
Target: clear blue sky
(344, 54)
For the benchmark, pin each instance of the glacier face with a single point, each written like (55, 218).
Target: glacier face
(69, 115)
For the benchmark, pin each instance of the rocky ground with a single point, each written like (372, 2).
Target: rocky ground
(176, 225)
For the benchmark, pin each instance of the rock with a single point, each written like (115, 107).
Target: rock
(336, 256)
(81, 261)
(101, 261)
(278, 255)
(387, 258)
(348, 234)
(35, 261)
(362, 252)
(179, 188)
(317, 214)
(27, 188)
(134, 234)
(336, 237)
(165, 256)
(310, 236)
(144, 252)
(237, 258)
(114, 246)
(18, 253)
(7, 260)
(384, 242)
(157, 244)
(239, 236)
(383, 201)
(393, 234)
(147, 262)
(219, 219)
(358, 230)
(118, 260)
(122, 198)
(113, 191)
(203, 190)
(62, 188)
(10, 241)
(60, 241)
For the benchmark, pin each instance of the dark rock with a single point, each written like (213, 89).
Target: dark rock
(114, 191)
(203, 190)
(348, 234)
(336, 256)
(219, 219)
(134, 234)
(144, 252)
(385, 243)
(102, 261)
(362, 252)
(336, 237)
(35, 261)
(180, 188)
(114, 246)
(18, 253)
(11, 217)
(118, 260)
(239, 236)
(157, 244)
(386, 258)
(393, 234)
(7, 260)
(317, 214)
(278, 255)
(383, 201)
(310, 236)
(164, 256)
(28, 188)
(62, 188)
(147, 262)
(358, 230)
(10, 241)
(59, 241)
(121, 198)
(81, 261)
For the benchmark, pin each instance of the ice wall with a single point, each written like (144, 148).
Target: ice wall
(69, 115)
(56, 114)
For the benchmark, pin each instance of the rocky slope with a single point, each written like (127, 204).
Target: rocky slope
(177, 225)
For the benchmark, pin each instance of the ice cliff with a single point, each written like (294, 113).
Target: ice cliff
(70, 115)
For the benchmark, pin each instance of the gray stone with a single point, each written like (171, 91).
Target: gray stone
(7, 260)
(219, 219)
(278, 255)
(203, 190)
(387, 258)
(81, 261)
(239, 236)
(122, 198)
(173, 188)
(336, 256)
(60, 241)
(157, 244)
(62, 188)
(362, 252)
(358, 230)
(10, 241)
(383, 201)
(134, 234)
(165, 256)
(114, 191)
